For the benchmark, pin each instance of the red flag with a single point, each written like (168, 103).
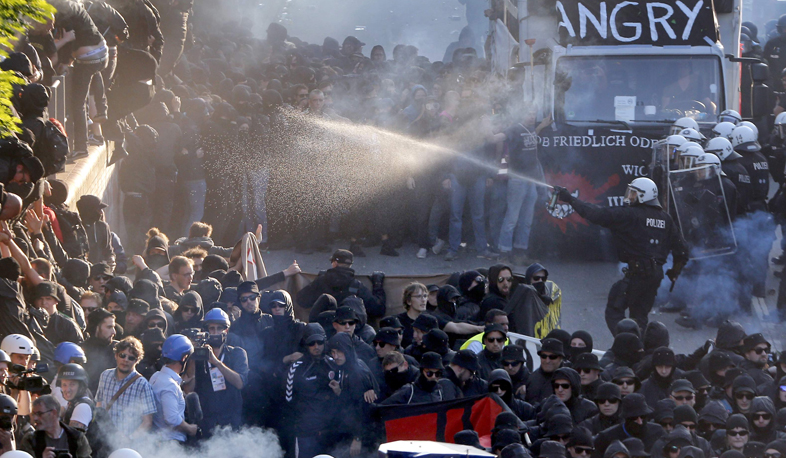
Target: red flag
(440, 421)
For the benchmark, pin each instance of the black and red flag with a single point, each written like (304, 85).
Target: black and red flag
(440, 421)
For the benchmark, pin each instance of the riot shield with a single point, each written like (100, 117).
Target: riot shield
(659, 171)
(702, 213)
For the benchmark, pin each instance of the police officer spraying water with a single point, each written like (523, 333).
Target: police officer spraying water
(644, 235)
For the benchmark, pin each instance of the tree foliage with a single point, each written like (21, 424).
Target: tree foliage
(15, 17)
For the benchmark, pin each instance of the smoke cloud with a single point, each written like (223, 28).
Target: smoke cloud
(248, 442)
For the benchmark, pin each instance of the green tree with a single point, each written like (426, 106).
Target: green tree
(16, 16)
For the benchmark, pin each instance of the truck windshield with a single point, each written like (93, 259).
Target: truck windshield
(638, 88)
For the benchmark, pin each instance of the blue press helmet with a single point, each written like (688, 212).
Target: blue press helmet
(176, 347)
(66, 352)
(216, 315)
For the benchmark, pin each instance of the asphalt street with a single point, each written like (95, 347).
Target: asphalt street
(584, 285)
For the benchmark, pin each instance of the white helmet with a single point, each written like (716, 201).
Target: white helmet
(730, 116)
(688, 156)
(752, 127)
(707, 159)
(124, 453)
(693, 135)
(4, 358)
(780, 125)
(642, 191)
(722, 129)
(722, 148)
(15, 454)
(17, 343)
(744, 140)
(673, 142)
(683, 123)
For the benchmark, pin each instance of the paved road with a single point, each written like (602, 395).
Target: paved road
(584, 285)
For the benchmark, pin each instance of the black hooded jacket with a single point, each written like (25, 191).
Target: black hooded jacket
(523, 410)
(311, 401)
(468, 307)
(283, 338)
(494, 299)
(580, 408)
(354, 379)
(768, 433)
(488, 361)
(474, 386)
(340, 282)
(191, 298)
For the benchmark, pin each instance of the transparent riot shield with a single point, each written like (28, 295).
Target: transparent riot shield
(659, 170)
(702, 212)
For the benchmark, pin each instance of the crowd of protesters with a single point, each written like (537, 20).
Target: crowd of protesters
(177, 338)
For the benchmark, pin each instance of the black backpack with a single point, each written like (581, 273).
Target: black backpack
(75, 241)
(53, 149)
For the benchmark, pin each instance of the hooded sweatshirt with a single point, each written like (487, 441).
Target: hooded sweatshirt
(283, 338)
(580, 408)
(352, 411)
(768, 433)
(151, 339)
(494, 299)
(523, 410)
(540, 287)
(468, 307)
(340, 282)
(190, 299)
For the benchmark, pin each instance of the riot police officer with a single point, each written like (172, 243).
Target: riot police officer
(775, 53)
(745, 142)
(644, 235)
(734, 170)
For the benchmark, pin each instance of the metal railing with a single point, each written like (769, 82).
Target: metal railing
(57, 100)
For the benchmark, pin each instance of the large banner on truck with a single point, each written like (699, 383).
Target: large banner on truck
(626, 22)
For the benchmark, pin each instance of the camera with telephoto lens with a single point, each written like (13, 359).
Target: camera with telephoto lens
(29, 380)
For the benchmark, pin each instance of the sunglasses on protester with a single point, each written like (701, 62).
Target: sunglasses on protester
(505, 279)
(156, 324)
(748, 396)
(127, 357)
(625, 382)
(249, 298)
(430, 373)
(564, 386)
(511, 363)
(583, 450)
(584, 370)
(610, 401)
(760, 350)
(742, 433)
(495, 339)
(103, 277)
(316, 342)
(683, 398)
(762, 416)
(539, 277)
(346, 323)
(550, 356)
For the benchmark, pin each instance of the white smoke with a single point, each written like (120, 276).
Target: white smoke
(248, 442)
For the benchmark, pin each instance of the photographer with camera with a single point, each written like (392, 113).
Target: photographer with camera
(217, 372)
(53, 438)
(20, 349)
(8, 411)
(169, 419)
(5, 362)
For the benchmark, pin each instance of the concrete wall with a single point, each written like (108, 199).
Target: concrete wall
(92, 175)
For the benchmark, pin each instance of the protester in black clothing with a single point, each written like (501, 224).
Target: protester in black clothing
(429, 386)
(354, 385)
(386, 341)
(634, 414)
(340, 282)
(473, 287)
(346, 321)
(586, 364)
(566, 384)
(513, 361)
(152, 340)
(99, 347)
(501, 284)
(281, 341)
(608, 399)
(251, 323)
(580, 342)
(627, 351)
(490, 358)
(308, 393)
(756, 349)
(656, 387)
(500, 384)
(420, 327)
(539, 384)
(762, 417)
(98, 232)
(462, 371)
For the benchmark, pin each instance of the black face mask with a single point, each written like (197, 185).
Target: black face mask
(396, 380)
(426, 384)
(477, 293)
(634, 428)
(576, 351)
(120, 316)
(540, 287)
